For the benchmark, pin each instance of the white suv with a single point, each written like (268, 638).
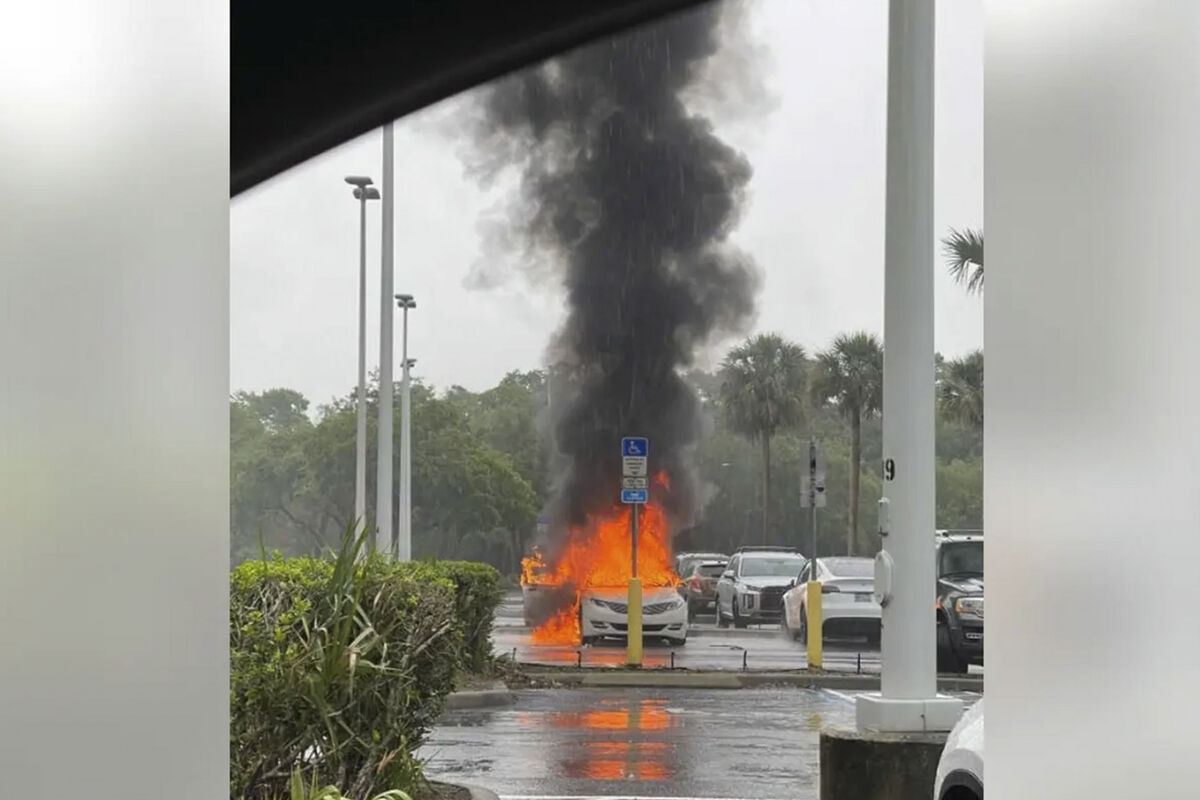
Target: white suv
(751, 589)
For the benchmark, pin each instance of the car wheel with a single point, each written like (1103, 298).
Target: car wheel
(803, 637)
(947, 659)
(722, 621)
(793, 633)
(677, 642)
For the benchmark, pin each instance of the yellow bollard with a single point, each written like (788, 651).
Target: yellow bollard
(813, 609)
(633, 636)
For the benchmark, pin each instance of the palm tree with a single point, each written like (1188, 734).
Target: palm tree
(762, 390)
(964, 250)
(850, 375)
(960, 389)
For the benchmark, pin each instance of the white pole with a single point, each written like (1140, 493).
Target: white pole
(908, 700)
(360, 439)
(383, 470)
(909, 668)
(405, 533)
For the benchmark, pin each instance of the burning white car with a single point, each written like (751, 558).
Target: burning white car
(541, 594)
(605, 613)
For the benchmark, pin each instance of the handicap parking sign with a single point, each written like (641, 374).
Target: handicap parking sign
(635, 446)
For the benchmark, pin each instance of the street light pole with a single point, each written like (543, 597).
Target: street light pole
(403, 549)
(383, 468)
(908, 700)
(363, 191)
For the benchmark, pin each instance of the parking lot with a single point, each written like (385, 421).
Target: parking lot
(708, 647)
(585, 743)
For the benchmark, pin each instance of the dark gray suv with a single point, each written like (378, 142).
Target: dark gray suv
(959, 600)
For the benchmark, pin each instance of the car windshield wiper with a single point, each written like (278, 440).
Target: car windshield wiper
(957, 573)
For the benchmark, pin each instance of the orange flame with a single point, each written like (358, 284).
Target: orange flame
(533, 569)
(597, 555)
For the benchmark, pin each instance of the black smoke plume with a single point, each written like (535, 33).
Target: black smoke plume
(628, 197)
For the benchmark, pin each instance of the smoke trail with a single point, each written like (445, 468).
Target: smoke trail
(627, 198)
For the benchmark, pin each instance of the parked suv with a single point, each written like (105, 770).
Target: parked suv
(959, 600)
(700, 586)
(685, 561)
(751, 589)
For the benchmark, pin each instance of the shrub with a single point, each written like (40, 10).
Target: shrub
(311, 789)
(338, 667)
(477, 594)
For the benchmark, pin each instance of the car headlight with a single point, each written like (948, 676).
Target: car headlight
(749, 599)
(969, 606)
(598, 602)
(678, 602)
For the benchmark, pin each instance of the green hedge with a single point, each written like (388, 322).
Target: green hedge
(339, 668)
(477, 594)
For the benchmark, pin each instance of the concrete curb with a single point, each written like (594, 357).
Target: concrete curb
(762, 633)
(684, 679)
(659, 679)
(732, 632)
(500, 695)
(479, 793)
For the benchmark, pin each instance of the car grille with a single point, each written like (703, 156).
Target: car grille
(621, 626)
(655, 608)
(771, 598)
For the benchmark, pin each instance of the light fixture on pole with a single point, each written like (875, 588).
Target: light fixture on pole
(363, 191)
(402, 549)
(383, 468)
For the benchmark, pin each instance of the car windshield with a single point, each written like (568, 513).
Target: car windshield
(961, 558)
(710, 570)
(850, 567)
(770, 567)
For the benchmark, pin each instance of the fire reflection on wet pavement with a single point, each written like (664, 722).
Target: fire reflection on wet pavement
(608, 753)
(747, 743)
(593, 742)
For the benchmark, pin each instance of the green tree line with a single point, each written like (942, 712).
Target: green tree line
(482, 460)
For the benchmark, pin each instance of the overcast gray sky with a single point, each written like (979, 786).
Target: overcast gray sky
(814, 221)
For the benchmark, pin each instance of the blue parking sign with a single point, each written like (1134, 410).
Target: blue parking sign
(635, 446)
(634, 496)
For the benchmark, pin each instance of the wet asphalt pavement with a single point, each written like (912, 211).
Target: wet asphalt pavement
(680, 743)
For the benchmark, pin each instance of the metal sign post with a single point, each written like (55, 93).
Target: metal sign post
(812, 496)
(635, 453)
